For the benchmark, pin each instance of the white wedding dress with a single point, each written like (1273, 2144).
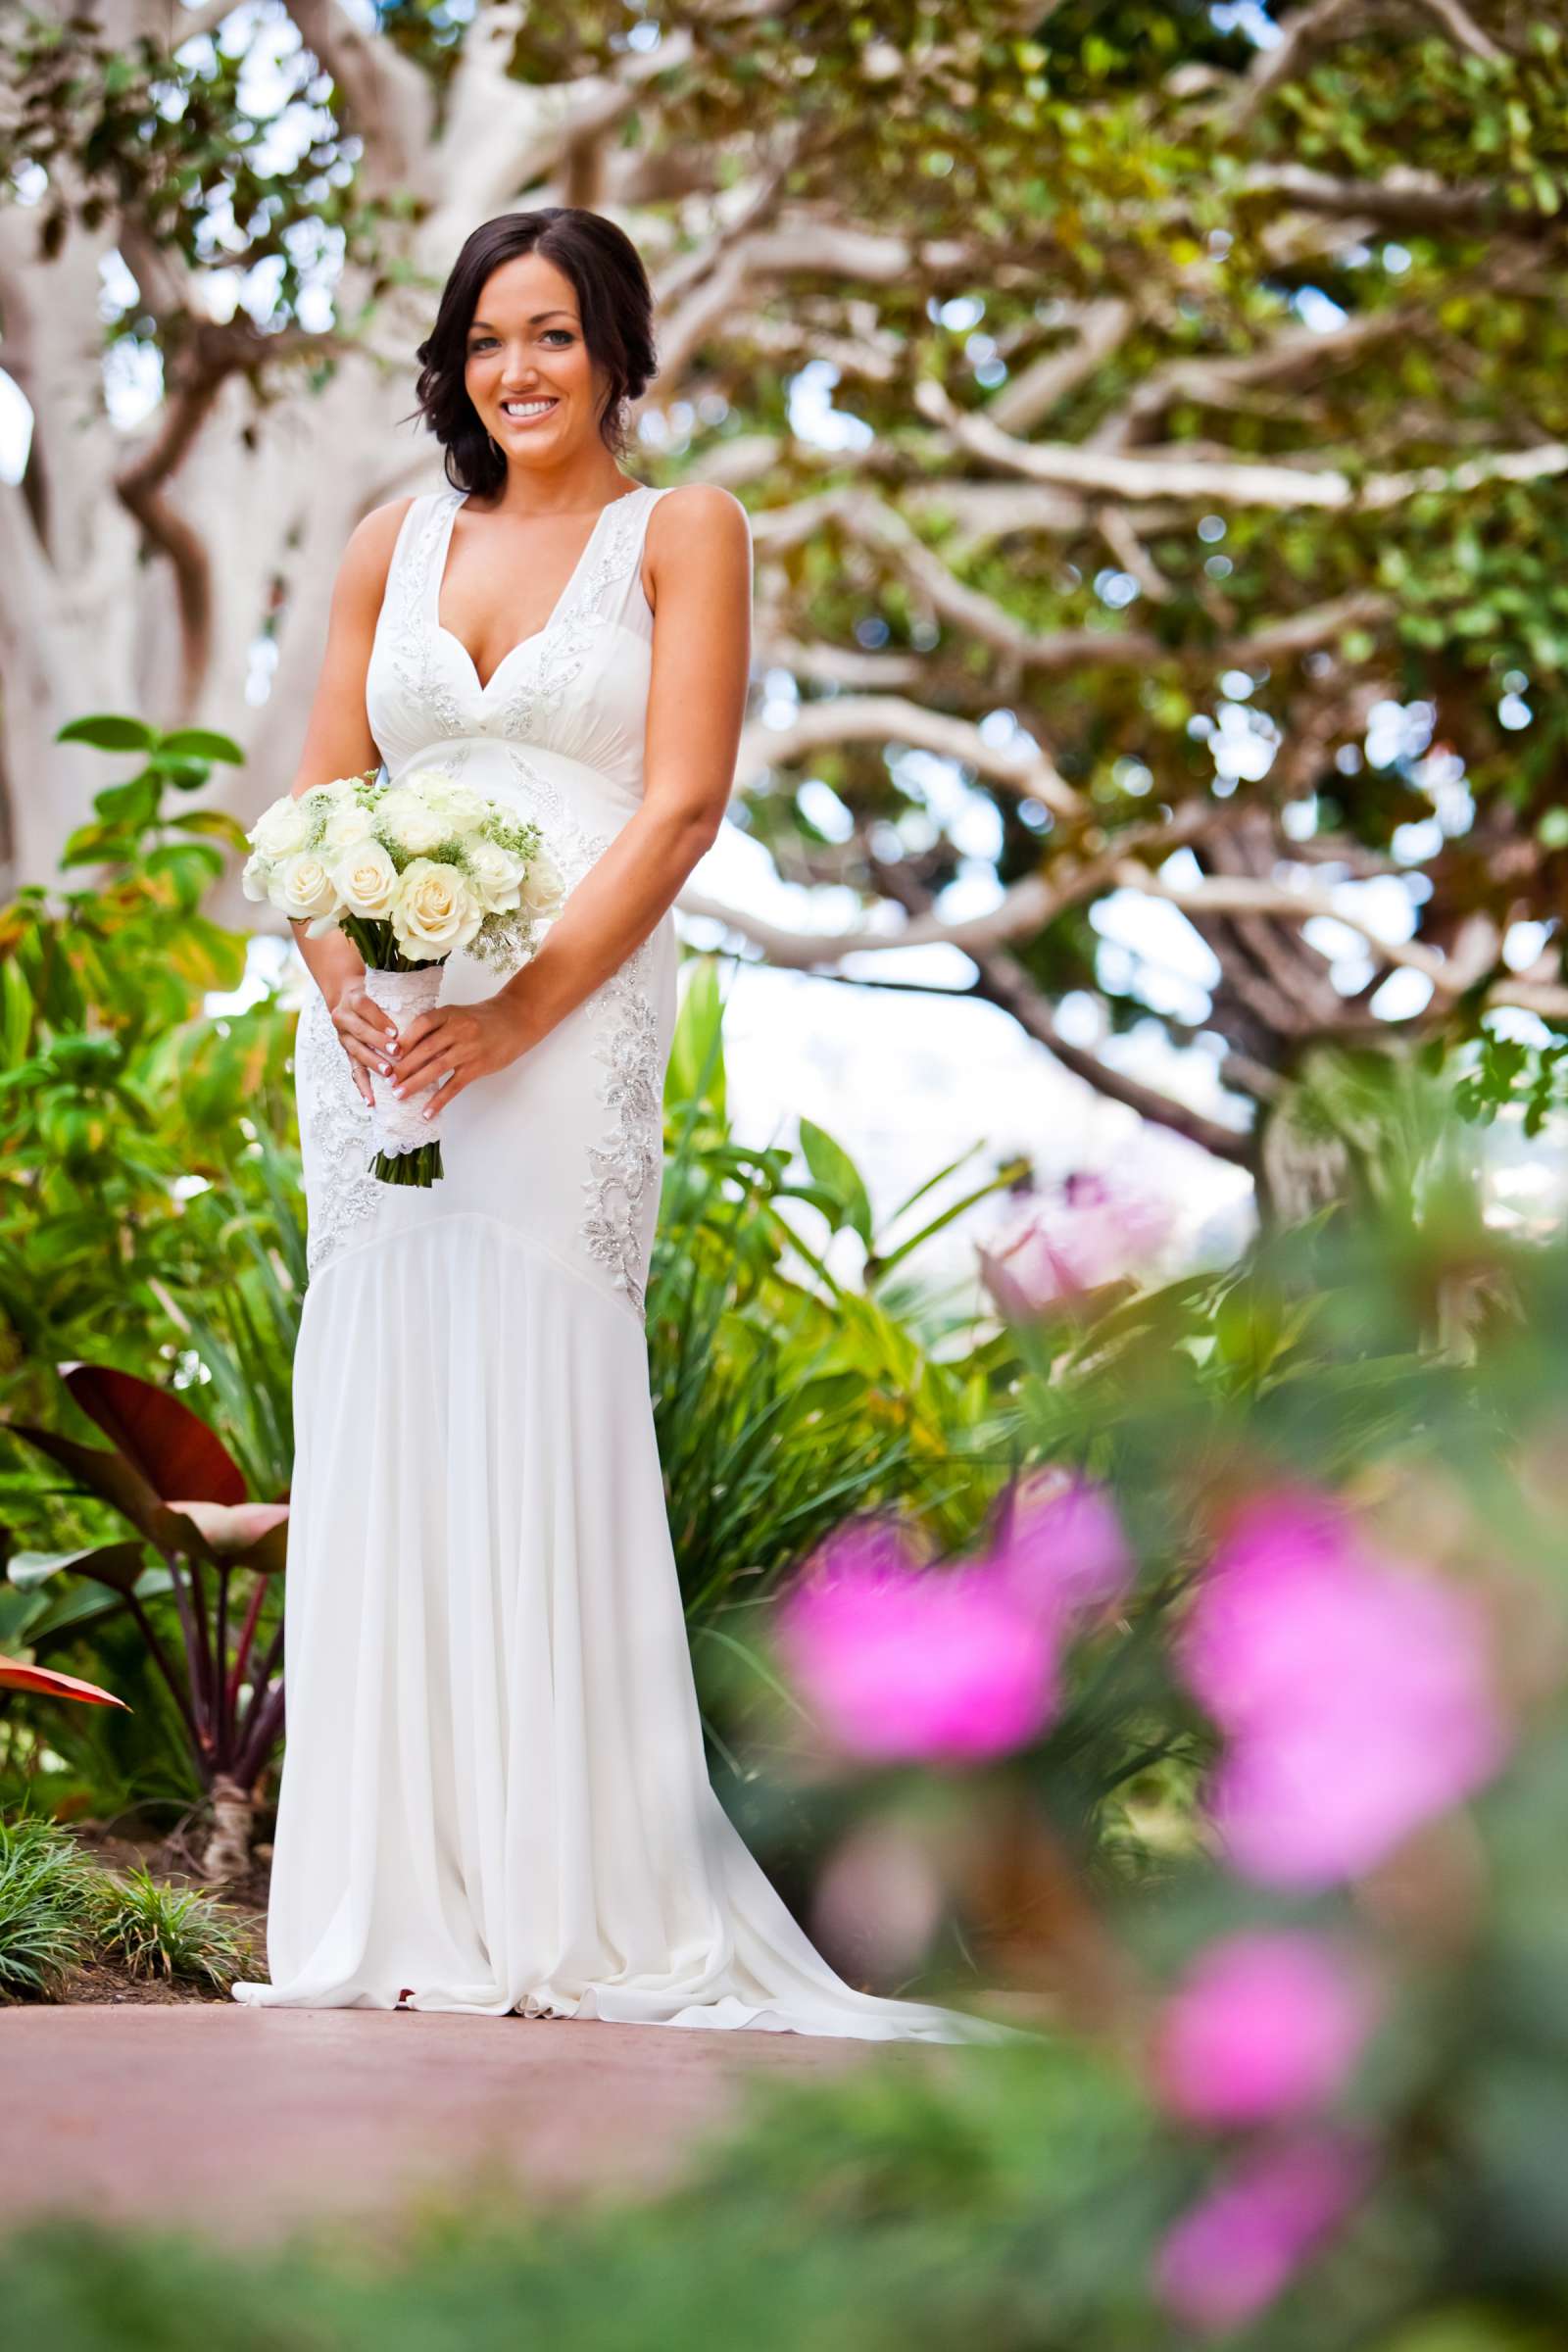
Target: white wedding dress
(494, 1790)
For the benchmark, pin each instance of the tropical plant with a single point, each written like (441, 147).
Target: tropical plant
(48, 1893)
(145, 1146)
(17, 1674)
(179, 1934)
(1150, 414)
(169, 1475)
(786, 1395)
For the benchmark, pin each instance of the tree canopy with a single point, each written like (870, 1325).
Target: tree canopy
(1153, 420)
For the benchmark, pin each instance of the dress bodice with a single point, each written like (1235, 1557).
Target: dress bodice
(575, 691)
(557, 733)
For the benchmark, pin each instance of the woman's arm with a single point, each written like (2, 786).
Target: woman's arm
(700, 558)
(338, 742)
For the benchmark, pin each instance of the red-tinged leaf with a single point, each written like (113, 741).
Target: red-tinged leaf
(109, 1476)
(232, 1527)
(268, 1554)
(171, 1445)
(14, 1676)
(242, 1534)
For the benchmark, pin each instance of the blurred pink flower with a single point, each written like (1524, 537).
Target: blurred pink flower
(1355, 1695)
(1093, 1233)
(1238, 2247)
(1265, 2024)
(908, 1664)
(1060, 1552)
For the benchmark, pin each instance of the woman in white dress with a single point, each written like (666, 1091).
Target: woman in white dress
(494, 1794)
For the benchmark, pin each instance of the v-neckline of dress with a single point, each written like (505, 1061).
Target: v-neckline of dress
(439, 568)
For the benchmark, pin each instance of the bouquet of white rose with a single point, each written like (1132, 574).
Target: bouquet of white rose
(409, 871)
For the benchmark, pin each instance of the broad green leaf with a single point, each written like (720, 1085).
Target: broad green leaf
(110, 731)
(199, 743)
(839, 1177)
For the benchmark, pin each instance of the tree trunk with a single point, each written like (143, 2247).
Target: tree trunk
(228, 1849)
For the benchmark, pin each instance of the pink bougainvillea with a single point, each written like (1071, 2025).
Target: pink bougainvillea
(906, 1664)
(1264, 2025)
(1238, 2247)
(1355, 1695)
(1060, 1550)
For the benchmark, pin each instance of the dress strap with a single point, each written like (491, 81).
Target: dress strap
(432, 517)
(614, 583)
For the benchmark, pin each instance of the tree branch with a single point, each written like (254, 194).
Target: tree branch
(882, 717)
(1296, 358)
(381, 89)
(1025, 909)
(1102, 327)
(1004, 982)
(872, 521)
(1407, 200)
(1463, 30)
(1172, 474)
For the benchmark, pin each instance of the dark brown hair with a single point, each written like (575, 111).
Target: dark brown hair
(613, 301)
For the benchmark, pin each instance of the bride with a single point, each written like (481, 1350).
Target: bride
(494, 1794)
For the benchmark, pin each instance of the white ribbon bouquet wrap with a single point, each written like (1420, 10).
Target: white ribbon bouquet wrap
(411, 872)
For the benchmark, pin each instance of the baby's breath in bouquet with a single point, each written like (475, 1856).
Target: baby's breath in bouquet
(411, 871)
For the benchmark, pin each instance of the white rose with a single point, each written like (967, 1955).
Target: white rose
(409, 820)
(349, 825)
(282, 829)
(303, 888)
(544, 885)
(461, 803)
(317, 805)
(254, 875)
(367, 880)
(496, 874)
(434, 910)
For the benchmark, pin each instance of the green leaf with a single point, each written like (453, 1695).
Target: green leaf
(839, 1177)
(98, 845)
(117, 1564)
(132, 804)
(82, 1605)
(199, 743)
(214, 821)
(110, 731)
(696, 1071)
(16, 1012)
(186, 775)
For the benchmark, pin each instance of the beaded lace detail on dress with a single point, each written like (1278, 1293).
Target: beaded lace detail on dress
(344, 1196)
(629, 1159)
(626, 1161)
(627, 1167)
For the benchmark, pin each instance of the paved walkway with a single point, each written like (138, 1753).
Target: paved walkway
(244, 2123)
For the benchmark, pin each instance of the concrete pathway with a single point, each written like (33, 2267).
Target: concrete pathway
(245, 2123)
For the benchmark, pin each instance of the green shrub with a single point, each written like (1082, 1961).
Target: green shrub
(179, 1934)
(47, 1908)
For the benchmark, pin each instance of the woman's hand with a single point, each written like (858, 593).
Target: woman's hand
(367, 1035)
(465, 1040)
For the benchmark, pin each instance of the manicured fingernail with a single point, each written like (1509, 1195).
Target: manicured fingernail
(424, 1114)
(398, 1091)
(386, 1069)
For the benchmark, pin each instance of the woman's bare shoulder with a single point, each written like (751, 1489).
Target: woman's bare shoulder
(367, 558)
(703, 510)
(370, 543)
(696, 524)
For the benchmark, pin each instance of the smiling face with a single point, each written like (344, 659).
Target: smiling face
(527, 369)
